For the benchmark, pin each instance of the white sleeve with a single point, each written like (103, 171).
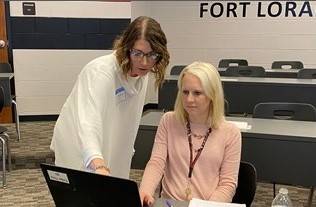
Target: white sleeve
(91, 104)
(89, 159)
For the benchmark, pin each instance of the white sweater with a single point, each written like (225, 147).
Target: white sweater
(100, 118)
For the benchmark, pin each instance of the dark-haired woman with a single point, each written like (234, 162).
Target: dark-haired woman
(98, 123)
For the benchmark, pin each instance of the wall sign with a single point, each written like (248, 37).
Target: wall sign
(216, 9)
(28, 8)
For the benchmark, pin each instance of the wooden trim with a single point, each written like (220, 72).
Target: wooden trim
(3, 33)
(6, 115)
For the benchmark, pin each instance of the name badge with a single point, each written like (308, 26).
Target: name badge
(58, 176)
(120, 94)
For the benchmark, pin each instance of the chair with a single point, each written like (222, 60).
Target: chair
(3, 145)
(306, 73)
(4, 139)
(245, 71)
(224, 63)
(176, 69)
(6, 68)
(247, 184)
(226, 107)
(283, 110)
(286, 64)
(291, 111)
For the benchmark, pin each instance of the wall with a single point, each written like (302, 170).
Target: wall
(260, 40)
(51, 47)
(45, 76)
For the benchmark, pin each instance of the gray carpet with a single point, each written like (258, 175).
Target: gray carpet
(26, 186)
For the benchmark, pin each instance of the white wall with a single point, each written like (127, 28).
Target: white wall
(75, 9)
(41, 88)
(259, 40)
(44, 78)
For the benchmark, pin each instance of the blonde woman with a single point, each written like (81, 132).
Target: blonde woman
(196, 152)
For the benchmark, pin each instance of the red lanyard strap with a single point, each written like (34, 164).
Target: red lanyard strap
(199, 151)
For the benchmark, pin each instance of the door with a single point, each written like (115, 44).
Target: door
(6, 113)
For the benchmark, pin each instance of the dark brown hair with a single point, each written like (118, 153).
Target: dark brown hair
(148, 29)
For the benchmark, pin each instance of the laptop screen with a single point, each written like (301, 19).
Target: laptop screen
(75, 188)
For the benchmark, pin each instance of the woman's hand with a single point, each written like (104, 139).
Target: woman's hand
(103, 171)
(99, 167)
(146, 199)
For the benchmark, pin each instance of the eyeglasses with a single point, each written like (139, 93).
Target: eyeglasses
(151, 56)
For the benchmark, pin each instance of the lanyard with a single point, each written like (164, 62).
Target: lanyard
(199, 151)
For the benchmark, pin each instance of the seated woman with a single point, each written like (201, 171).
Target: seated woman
(196, 151)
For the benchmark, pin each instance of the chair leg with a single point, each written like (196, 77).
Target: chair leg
(4, 181)
(8, 148)
(274, 190)
(17, 119)
(310, 197)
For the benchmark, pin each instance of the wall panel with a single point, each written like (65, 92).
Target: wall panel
(260, 40)
(51, 47)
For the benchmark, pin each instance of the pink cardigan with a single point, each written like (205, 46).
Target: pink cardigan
(215, 173)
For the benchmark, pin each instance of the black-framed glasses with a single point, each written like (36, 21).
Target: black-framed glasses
(151, 56)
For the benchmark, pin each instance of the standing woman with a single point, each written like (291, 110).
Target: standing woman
(97, 126)
(196, 151)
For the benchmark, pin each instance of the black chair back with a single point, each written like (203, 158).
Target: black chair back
(226, 107)
(245, 71)
(5, 68)
(247, 184)
(306, 73)
(176, 70)
(287, 64)
(1, 98)
(283, 110)
(224, 63)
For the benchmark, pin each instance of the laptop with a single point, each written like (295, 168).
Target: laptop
(74, 188)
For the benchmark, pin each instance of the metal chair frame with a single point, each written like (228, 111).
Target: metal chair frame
(6, 68)
(3, 144)
(4, 138)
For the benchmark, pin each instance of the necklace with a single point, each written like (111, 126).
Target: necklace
(187, 191)
(198, 136)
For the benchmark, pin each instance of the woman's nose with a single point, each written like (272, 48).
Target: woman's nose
(144, 60)
(190, 97)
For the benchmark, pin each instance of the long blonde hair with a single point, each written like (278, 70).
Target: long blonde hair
(148, 29)
(212, 86)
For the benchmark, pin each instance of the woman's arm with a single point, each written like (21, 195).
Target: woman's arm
(90, 107)
(229, 169)
(156, 165)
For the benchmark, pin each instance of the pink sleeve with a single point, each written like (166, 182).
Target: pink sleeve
(229, 169)
(156, 165)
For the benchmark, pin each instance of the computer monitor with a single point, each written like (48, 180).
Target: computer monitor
(74, 188)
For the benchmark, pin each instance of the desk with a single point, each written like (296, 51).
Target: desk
(272, 73)
(282, 151)
(243, 93)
